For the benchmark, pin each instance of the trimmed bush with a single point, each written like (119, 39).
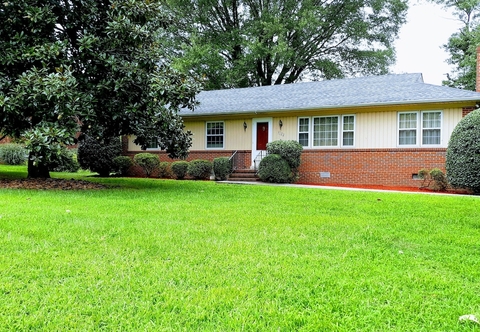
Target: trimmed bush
(288, 150)
(273, 168)
(66, 161)
(179, 169)
(222, 168)
(463, 153)
(98, 155)
(200, 169)
(148, 162)
(434, 179)
(164, 170)
(13, 154)
(122, 164)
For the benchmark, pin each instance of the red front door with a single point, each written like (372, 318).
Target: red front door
(262, 135)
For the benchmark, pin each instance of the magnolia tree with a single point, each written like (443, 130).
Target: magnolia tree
(93, 66)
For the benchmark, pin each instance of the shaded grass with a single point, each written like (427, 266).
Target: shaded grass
(180, 255)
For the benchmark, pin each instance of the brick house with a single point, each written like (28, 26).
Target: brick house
(378, 130)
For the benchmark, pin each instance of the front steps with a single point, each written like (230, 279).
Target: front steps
(243, 175)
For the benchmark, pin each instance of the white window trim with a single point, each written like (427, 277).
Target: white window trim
(419, 129)
(339, 133)
(206, 136)
(153, 149)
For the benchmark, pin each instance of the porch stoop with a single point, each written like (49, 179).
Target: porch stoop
(246, 175)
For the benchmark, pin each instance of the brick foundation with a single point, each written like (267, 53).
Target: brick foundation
(383, 167)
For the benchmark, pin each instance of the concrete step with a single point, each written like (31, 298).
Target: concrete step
(243, 175)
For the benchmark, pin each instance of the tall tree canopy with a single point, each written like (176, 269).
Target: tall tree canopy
(237, 43)
(462, 45)
(101, 67)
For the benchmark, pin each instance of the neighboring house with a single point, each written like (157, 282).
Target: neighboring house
(378, 130)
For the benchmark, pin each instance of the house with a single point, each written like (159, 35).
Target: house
(378, 130)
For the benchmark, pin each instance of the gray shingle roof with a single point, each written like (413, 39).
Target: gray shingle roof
(363, 91)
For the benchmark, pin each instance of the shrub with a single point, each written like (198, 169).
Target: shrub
(13, 154)
(164, 170)
(273, 168)
(179, 169)
(434, 179)
(222, 168)
(288, 150)
(147, 161)
(66, 161)
(463, 153)
(122, 164)
(98, 155)
(200, 169)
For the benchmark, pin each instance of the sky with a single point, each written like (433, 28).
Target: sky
(419, 48)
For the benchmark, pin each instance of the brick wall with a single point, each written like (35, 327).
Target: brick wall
(467, 110)
(384, 167)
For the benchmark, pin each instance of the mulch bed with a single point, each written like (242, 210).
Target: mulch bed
(47, 184)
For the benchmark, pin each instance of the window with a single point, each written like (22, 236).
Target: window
(431, 124)
(325, 131)
(413, 125)
(348, 129)
(152, 143)
(303, 131)
(407, 125)
(215, 135)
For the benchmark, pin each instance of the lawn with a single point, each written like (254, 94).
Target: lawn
(165, 255)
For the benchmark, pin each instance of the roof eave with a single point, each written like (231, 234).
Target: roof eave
(392, 103)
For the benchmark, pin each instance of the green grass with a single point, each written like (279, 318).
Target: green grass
(165, 255)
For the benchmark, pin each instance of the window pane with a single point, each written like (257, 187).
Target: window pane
(432, 120)
(348, 138)
(303, 131)
(408, 137)
(348, 122)
(303, 139)
(325, 131)
(408, 120)
(431, 136)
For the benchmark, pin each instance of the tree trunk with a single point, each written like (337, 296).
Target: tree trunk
(37, 171)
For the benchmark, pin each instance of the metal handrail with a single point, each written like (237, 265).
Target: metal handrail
(233, 160)
(258, 159)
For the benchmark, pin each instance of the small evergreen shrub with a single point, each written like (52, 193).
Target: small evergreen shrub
(66, 161)
(200, 169)
(98, 155)
(434, 179)
(13, 154)
(222, 168)
(179, 169)
(273, 168)
(164, 170)
(463, 153)
(288, 150)
(148, 162)
(122, 165)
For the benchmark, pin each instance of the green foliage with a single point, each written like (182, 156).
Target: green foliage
(13, 154)
(148, 162)
(66, 161)
(289, 150)
(274, 168)
(250, 43)
(462, 45)
(164, 170)
(122, 165)
(101, 67)
(98, 155)
(463, 153)
(222, 168)
(434, 179)
(179, 169)
(200, 169)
